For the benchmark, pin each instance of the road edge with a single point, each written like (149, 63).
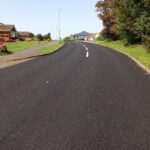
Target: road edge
(34, 56)
(142, 66)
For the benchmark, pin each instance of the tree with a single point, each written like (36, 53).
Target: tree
(109, 20)
(143, 23)
(130, 19)
(47, 36)
(39, 37)
(125, 12)
(133, 19)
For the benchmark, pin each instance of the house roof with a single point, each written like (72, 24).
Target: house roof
(7, 28)
(83, 33)
(21, 33)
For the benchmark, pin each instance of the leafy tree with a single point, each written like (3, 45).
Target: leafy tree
(133, 19)
(125, 12)
(109, 19)
(47, 36)
(143, 23)
(39, 37)
(130, 19)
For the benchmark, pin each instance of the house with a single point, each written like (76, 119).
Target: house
(81, 36)
(85, 36)
(25, 35)
(7, 32)
(92, 37)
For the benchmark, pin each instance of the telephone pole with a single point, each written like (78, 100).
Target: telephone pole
(59, 26)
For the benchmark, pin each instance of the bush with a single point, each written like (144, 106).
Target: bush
(40, 37)
(67, 39)
(49, 39)
(3, 48)
(101, 38)
(146, 42)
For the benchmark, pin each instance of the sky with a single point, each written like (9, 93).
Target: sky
(41, 16)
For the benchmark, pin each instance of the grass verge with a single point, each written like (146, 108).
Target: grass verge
(52, 48)
(136, 51)
(18, 46)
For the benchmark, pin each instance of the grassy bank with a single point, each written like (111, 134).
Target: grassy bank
(136, 51)
(51, 48)
(17, 46)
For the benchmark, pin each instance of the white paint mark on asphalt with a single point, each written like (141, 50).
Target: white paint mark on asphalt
(87, 50)
(87, 54)
(47, 82)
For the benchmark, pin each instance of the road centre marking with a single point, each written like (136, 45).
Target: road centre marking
(87, 54)
(47, 82)
(87, 50)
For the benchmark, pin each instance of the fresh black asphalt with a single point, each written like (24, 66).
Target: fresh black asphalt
(66, 101)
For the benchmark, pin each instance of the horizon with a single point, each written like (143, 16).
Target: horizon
(45, 16)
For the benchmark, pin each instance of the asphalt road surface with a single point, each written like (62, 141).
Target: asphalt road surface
(83, 97)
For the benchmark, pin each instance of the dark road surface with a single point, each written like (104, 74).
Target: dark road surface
(80, 98)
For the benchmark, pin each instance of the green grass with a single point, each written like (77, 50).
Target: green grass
(51, 48)
(136, 51)
(18, 46)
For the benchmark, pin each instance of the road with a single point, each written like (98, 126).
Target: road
(83, 97)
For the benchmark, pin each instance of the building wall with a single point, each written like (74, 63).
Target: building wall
(80, 37)
(6, 36)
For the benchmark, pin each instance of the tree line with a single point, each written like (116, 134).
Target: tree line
(41, 37)
(127, 20)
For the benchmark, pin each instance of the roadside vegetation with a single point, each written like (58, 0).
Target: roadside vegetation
(126, 20)
(137, 51)
(52, 48)
(126, 27)
(21, 45)
(69, 39)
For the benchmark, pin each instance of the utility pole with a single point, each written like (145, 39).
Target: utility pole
(59, 26)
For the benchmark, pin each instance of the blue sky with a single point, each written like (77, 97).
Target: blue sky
(41, 16)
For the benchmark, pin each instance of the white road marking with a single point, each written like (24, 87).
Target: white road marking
(87, 54)
(47, 82)
(87, 50)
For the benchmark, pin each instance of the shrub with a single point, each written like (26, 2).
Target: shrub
(49, 39)
(3, 48)
(67, 39)
(146, 42)
(40, 37)
(101, 38)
